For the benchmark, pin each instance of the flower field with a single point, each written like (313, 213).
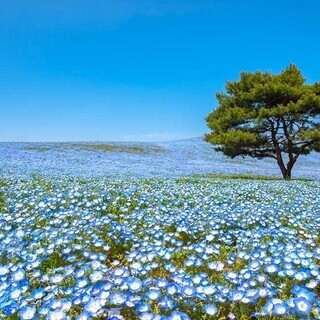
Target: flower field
(84, 246)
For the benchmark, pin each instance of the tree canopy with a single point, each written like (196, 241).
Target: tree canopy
(266, 115)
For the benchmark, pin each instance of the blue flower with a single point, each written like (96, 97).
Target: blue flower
(171, 289)
(280, 308)
(210, 309)
(134, 284)
(302, 306)
(237, 295)
(27, 312)
(142, 306)
(189, 291)
(118, 298)
(153, 294)
(93, 306)
(83, 316)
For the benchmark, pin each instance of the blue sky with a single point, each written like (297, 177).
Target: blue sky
(75, 70)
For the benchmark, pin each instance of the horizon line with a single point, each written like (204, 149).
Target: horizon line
(106, 141)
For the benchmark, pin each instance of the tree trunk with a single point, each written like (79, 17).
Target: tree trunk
(286, 171)
(286, 174)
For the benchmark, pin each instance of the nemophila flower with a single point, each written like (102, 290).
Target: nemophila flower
(93, 306)
(18, 275)
(210, 309)
(280, 308)
(66, 305)
(264, 292)
(167, 304)
(237, 295)
(312, 284)
(54, 303)
(153, 294)
(275, 306)
(209, 290)
(302, 306)
(24, 285)
(171, 289)
(189, 263)
(261, 278)
(119, 281)
(161, 283)
(96, 276)
(96, 289)
(10, 308)
(136, 265)
(142, 306)
(56, 315)
(57, 278)
(4, 270)
(27, 312)
(254, 266)
(305, 263)
(271, 268)
(43, 310)
(231, 275)
(289, 272)
(302, 275)
(314, 271)
(82, 282)
(134, 284)
(15, 293)
(77, 300)
(120, 272)
(188, 291)
(252, 294)
(104, 294)
(37, 293)
(196, 279)
(146, 316)
(85, 298)
(117, 298)
(83, 316)
(303, 292)
(177, 315)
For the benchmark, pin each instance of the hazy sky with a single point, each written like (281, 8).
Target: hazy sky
(139, 69)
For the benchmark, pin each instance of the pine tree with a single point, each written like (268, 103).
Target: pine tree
(266, 115)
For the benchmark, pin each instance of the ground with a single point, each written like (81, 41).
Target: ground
(78, 245)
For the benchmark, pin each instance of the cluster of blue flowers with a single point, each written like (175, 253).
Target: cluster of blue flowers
(165, 248)
(172, 158)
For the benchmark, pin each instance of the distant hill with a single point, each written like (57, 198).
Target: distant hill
(173, 158)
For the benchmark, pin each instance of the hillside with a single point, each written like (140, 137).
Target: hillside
(178, 158)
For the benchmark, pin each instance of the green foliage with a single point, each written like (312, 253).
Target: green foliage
(103, 147)
(3, 204)
(74, 311)
(128, 313)
(265, 115)
(53, 261)
(243, 176)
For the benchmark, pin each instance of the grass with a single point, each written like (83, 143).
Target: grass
(2, 197)
(119, 205)
(133, 149)
(121, 148)
(244, 176)
(37, 148)
(53, 261)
